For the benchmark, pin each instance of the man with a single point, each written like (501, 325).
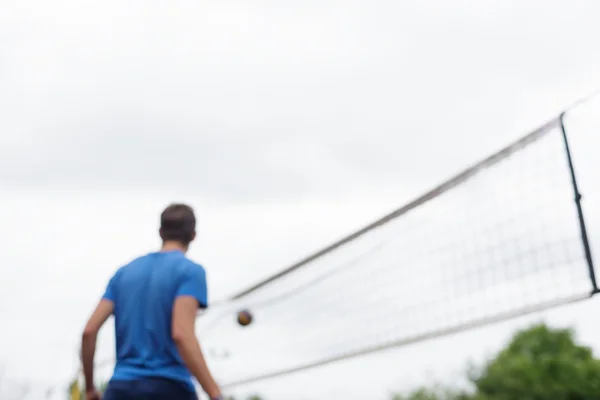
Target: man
(154, 300)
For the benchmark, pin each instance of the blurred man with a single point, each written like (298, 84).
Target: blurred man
(154, 299)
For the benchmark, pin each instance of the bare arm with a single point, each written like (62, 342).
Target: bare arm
(184, 336)
(88, 340)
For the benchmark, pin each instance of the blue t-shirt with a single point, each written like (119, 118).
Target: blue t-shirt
(143, 293)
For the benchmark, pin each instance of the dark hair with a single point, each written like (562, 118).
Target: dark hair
(178, 223)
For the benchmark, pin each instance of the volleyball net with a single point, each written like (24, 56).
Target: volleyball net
(502, 239)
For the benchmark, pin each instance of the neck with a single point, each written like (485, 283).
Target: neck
(170, 245)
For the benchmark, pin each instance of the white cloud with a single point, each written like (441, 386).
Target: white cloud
(123, 94)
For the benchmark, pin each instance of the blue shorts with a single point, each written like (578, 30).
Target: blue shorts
(148, 389)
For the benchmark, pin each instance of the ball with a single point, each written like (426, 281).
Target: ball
(244, 318)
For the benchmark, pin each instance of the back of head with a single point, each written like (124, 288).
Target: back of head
(178, 224)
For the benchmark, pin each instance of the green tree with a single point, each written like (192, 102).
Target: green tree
(436, 393)
(539, 363)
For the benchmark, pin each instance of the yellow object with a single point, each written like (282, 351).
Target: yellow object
(74, 390)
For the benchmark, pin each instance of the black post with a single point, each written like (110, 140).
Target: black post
(584, 236)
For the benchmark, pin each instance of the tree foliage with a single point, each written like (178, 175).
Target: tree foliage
(435, 393)
(539, 363)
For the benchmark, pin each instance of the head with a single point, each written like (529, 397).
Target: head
(177, 226)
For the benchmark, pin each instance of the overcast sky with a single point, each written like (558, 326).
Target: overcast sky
(286, 126)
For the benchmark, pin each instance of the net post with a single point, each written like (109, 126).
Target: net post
(578, 196)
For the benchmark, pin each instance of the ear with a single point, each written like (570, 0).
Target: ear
(160, 233)
(193, 236)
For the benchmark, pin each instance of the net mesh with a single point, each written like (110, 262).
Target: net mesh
(501, 240)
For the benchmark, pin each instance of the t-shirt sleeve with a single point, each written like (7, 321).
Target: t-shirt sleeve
(193, 284)
(109, 293)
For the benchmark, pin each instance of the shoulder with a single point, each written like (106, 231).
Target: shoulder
(194, 266)
(141, 260)
(131, 266)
